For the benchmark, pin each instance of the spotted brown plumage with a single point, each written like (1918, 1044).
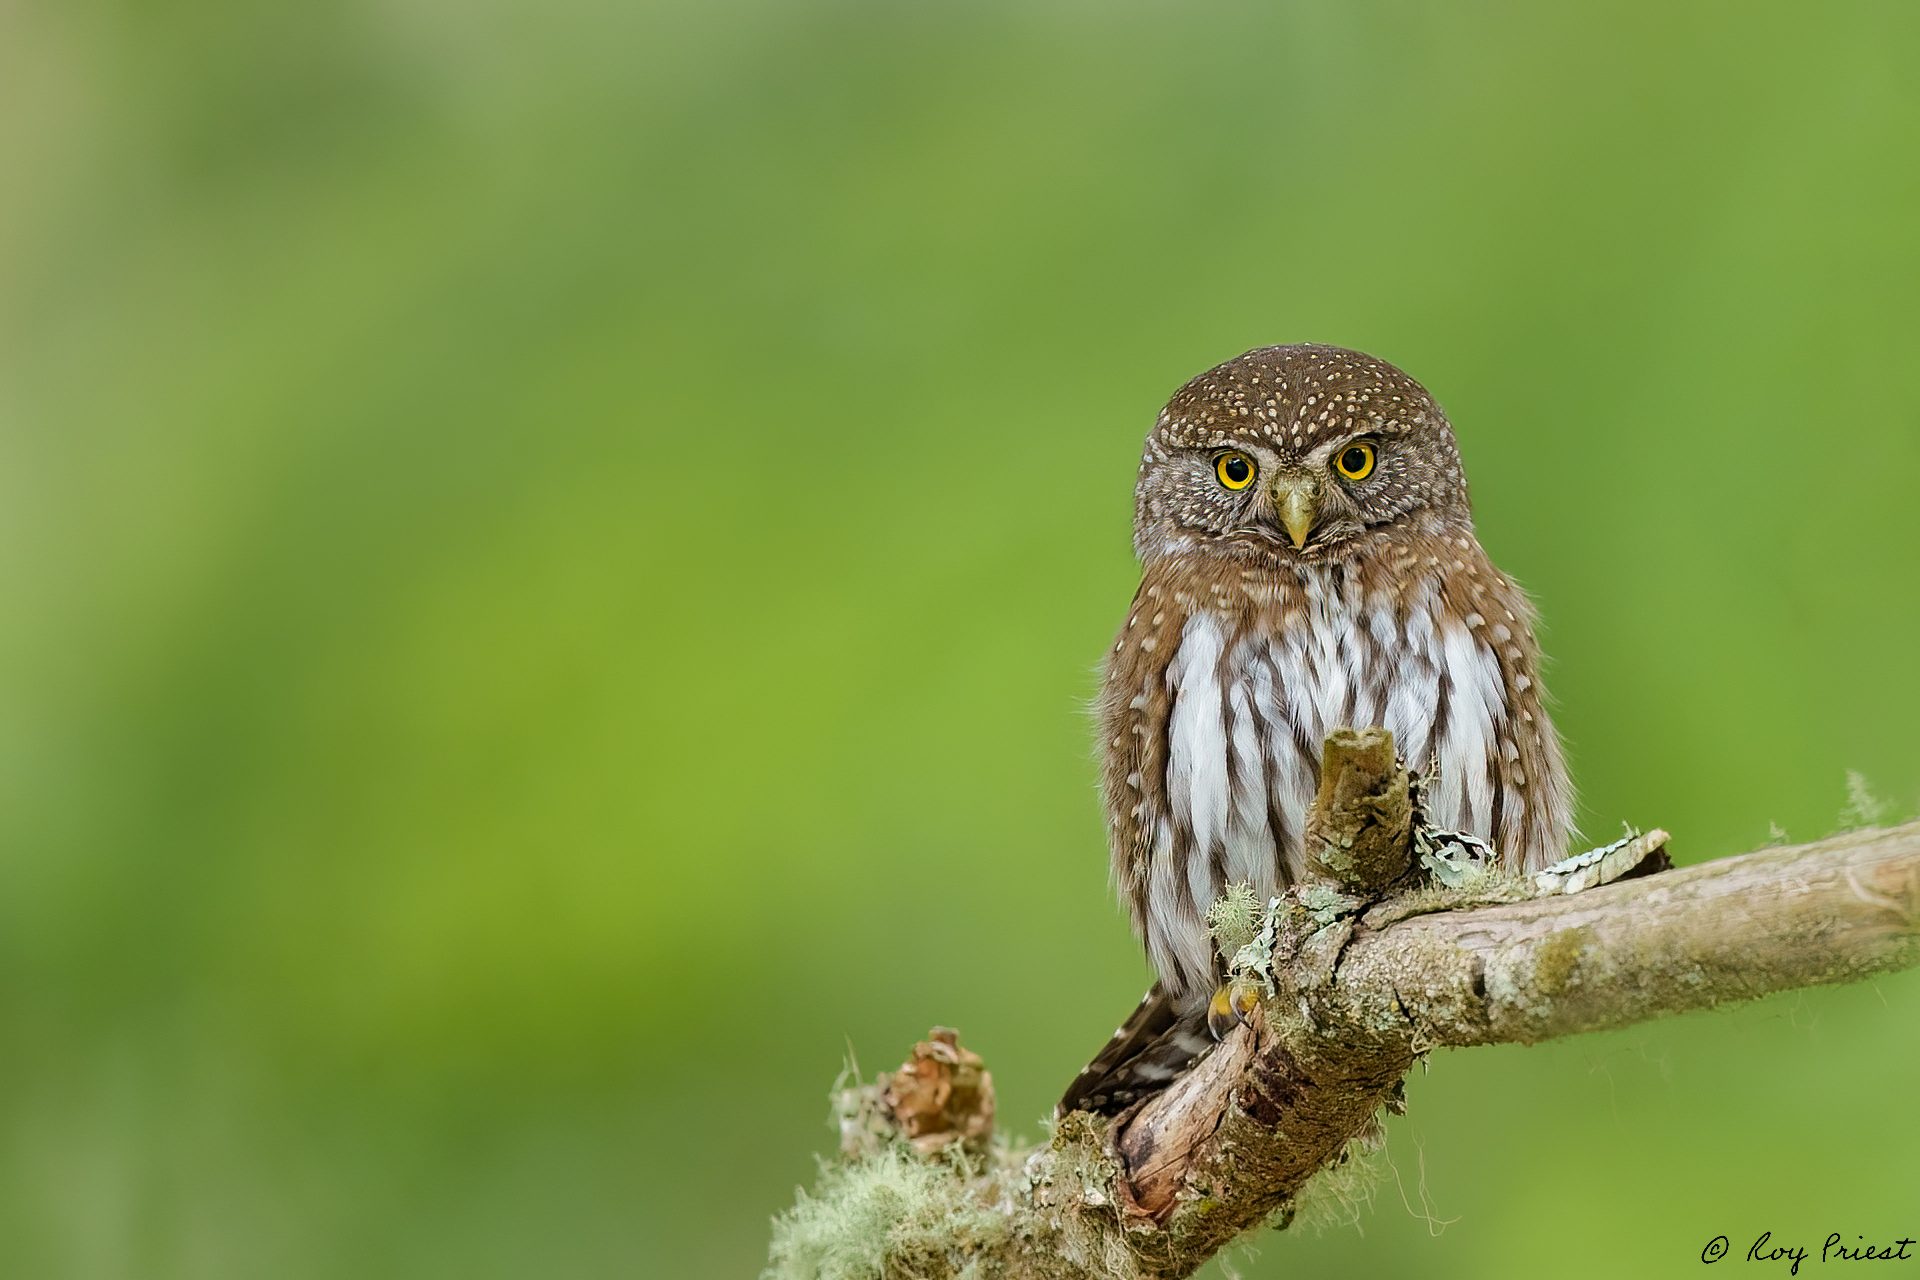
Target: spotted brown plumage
(1308, 562)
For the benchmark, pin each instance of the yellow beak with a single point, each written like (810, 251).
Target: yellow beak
(1298, 501)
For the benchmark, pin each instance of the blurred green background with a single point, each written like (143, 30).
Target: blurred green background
(554, 558)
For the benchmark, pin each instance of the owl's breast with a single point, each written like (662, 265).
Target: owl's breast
(1252, 696)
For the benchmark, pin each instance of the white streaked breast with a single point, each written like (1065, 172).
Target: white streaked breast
(1239, 716)
(1463, 798)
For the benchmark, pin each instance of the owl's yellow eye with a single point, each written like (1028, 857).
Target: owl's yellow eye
(1234, 469)
(1355, 461)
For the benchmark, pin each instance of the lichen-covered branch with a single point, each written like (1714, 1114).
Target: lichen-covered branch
(1834, 911)
(1374, 965)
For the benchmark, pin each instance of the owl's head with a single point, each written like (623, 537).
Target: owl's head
(1294, 453)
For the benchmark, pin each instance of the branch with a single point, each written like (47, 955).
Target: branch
(1376, 963)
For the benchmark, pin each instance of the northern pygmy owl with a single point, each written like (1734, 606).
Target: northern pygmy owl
(1309, 562)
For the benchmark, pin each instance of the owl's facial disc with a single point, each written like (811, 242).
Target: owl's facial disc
(1296, 499)
(1295, 454)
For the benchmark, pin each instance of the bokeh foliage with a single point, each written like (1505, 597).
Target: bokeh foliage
(555, 556)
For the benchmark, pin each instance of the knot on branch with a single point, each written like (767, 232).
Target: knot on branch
(940, 1096)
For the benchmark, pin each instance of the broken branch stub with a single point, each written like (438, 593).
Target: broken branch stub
(1358, 828)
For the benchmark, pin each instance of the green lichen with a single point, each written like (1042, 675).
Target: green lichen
(1340, 1194)
(1555, 961)
(1234, 917)
(890, 1215)
(1325, 903)
(1863, 809)
(1484, 887)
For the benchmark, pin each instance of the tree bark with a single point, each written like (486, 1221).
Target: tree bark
(1373, 966)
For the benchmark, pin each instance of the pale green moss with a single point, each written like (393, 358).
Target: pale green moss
(891, 1214)
(1483, 887)
(1325, 903)
(1234, 917)
(1554, 962)
(1863, 809)
(1341, 1194)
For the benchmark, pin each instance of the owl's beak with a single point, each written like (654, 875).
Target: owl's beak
(1297, 498)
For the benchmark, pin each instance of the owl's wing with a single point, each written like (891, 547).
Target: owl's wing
(1157, 1042)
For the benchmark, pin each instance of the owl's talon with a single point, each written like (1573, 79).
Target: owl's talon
(1220, 1013)
(1232, 1005)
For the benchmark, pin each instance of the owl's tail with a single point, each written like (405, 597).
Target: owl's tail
(1158, 1041)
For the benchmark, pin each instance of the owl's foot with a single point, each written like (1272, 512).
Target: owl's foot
(1249, 971)
(1232, 1005)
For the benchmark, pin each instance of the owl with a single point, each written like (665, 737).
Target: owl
(1308, 562)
